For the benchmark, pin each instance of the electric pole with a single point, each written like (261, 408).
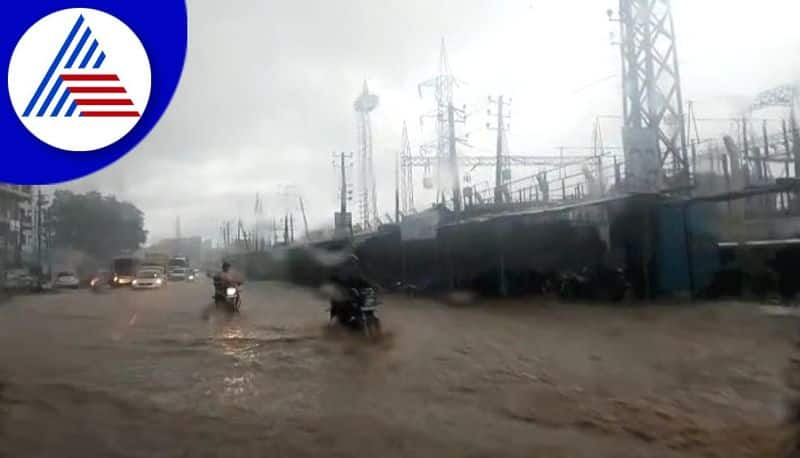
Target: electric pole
(455, 115)
(397, 188)
(286, 229)
(500, 161)
(343, 221)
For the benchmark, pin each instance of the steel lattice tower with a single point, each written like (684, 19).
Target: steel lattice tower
(443, 85)
(654, 134)
(407, 173)
(363, 105)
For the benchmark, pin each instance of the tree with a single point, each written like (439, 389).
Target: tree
(97, 225)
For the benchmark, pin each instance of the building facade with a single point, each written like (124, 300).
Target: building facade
(16, 224)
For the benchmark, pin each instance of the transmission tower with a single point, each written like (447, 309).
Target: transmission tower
(407, 174)
(443, 85)
(363, 105)
(653, 129)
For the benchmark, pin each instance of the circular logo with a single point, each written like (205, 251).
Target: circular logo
(79, 79)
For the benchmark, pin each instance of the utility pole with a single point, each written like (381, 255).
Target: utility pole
(498, 168)
(454, 159)
(795, 140)
(765, 161)
(397, 188)
(500, 160)
(343, 221)
(343, 184)
(597, 148)
(291, 227)
(305, 219)
(38, 222)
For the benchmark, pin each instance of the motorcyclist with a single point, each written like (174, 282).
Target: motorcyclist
(347, 277)
(224, 279)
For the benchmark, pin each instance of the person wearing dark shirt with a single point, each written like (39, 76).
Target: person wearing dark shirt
(224, 279)
(347, 277)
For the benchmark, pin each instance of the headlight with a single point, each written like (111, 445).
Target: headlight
(230, 291)
(158, 281)
(93, 282)
(116, 279)
(135, 282)
(191, 277)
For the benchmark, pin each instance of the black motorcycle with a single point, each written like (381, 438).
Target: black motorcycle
(227, 295)
(357, 312)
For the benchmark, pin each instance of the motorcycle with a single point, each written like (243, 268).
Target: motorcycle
(358, 312)
(228, 296)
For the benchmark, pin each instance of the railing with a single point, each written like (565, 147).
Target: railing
(589, 178)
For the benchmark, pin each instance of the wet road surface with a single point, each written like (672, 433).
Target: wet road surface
(160, 373)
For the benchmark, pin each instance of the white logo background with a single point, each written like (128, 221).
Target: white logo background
(34, 54)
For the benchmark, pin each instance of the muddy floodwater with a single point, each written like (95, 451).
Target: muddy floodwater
(157, 374)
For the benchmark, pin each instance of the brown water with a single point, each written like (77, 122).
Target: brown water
(159, 373)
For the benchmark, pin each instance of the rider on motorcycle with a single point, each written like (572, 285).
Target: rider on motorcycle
(224, 279)
(348, 276)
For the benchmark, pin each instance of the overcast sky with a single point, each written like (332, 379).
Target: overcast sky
(268, 87)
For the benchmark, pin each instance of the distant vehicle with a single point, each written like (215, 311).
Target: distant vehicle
(156, 259)
(148, 279)
(17, 280)
(178, 269)
(178, 274)
(67, 279)
(161, 269)
(178, 261)
(124, 269)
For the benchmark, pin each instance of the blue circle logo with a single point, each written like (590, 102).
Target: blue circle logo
(85, 85)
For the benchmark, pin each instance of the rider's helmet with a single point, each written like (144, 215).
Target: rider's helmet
(226, 266)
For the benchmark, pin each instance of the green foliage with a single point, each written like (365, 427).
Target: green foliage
(98, 225)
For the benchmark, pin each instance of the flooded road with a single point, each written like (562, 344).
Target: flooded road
(158, 373)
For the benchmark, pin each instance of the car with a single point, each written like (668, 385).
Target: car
(67, 279)
(17, 280)
(148, 279)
